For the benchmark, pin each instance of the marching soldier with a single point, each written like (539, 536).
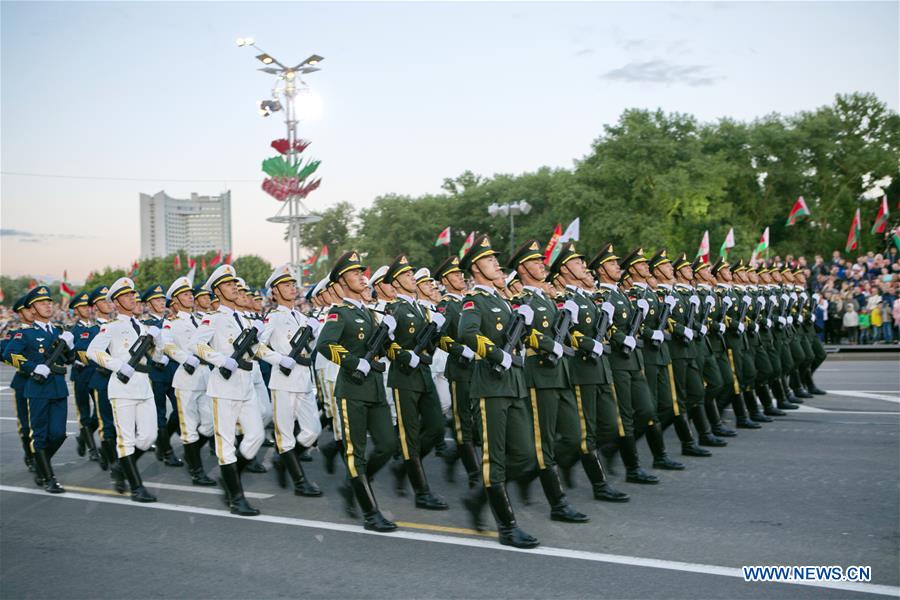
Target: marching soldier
(801, 353)
(552, 403)
(202, 301)
(161, 375)
(419, 420)
(115, 348)
(498, 387)
(82, 370)
(31, 350)
(769, 324)
(758, 335)
(811, 341)
(590, 373)
(190, 380)
(291, 384)
(26, 318)
(784, 332)
(346, 339)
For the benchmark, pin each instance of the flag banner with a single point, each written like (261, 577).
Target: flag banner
(703, 250)
(728, 244)
(572, 232)
(443, 239)
(64, 289)
(134, 270)
(228, 258)
(191, 274)
(881, 219)
(761, 247)
(467, 244)
(216, 259)
(895, 237)
(853, 237)
(191, 263)
(323, 256)
(176, 262)
(551, 245)
(798, 212)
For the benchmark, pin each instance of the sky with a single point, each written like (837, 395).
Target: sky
(138, 97)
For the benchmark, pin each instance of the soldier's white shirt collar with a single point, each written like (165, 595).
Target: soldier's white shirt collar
(683, 286)
(409, 299)
(609, 286)
(454, 296)
(534, 289)
(184, 314)
(85, 323)
(665, 286)
(354, 302)
(704, 286)
(226, 310)
(283, 308)
(156, 316)
(640, 284)
(484, 288)
(426, 303)
(123, 317)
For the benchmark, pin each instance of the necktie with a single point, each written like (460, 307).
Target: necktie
(135, 326)
(194, 321)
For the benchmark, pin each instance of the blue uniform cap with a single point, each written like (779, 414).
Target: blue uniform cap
(154, 291)
(37, 294)
(98, 293)
(82, 298)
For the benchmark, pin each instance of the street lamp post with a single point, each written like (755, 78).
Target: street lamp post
(287, 85)
(512, 209)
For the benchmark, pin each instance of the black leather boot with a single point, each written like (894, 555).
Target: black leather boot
(560, 509)
(302, 486)
(138, 492)
(373, 519)
(450, 458)
(768, 395)
(797, 386)
(657, 445)
(81, 448)
(162, 443)
(329, 453)
(29, 455)
(781, 396)
(195, 465)
(234, 491)
(751, 411)
(811, 387)
(468, 456)
(424, 497)
(602, 489)
(508, 531)
(701, 424)
(43, 466)
(607, 454)
(398, 470)
(633, 471)
(346, 492)
(689, 447)
(715, 419)
(115, 469)
(87, 437)
(474, 501)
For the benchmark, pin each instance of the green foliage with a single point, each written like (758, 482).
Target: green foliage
(253, 269)
(13, 288)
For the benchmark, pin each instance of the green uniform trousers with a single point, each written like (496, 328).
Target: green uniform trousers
(666, 403)
(608, 425)
(557, 426)
(420, 424)
(507, 438)
(358, 418)
(688, 382)
(634, 401)
(466, 425)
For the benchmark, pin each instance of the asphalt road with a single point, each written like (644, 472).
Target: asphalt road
(819, 487)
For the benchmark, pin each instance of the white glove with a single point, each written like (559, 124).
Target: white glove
(572, 307)
(154, 332)
(773, 300)
(164, 360)
(525, 311)
(747, 300)
(756, 328)
(804, 297)
(785, 298)
(126, 370)
(557, 349)
(192, 361)
(391, 323)
(721, 327)
(657, 336)
(644, 306)
(506, 361)
(230, 364)
(694, 300)
(363, 366)
(689, 334)
(630, 342)
(287, 362)
(790, 320)
(79, 363)
(703, 329)
(597, 350)
(741, 328)
(727, 301)
(800, 319)
(315, 325)
(258, 326)
(761, 301)
(42, 370)
(609, 309)
(467, 353)
(710, 300)
(413, 360)
(768, 323)
(68, 338)
(438, 319)
(794, 296)
(782, 321)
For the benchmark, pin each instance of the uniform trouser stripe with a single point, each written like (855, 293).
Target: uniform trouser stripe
(737, 387)
(275, 420)
(335, 418)
(215, 404)
(619, 423)
(486, 450)
(454, 406)
(120, 445)
(537, 429)
(400, 426)
(675, 409)
(581, 421)
(30, 428)
(181, 420)
(348, 441)
(96, 396)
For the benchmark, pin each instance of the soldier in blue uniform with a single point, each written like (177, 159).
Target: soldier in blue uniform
(161, 376)
(84, 331)
(26, 317)
(45, 389)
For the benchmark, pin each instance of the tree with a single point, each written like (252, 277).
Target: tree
(253, 269)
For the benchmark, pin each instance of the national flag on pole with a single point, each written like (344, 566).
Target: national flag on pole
(467, 244)
(134, 270)
(853, 237)
(727, 244)
(443, 239)
(64, 289)
(203, 264)
(176, 262)
(895, 237)
(323, 256)
(32, 284)
(551, 245)
(228, 258)
(761, 247)
(572, 232)
(2, 297)
(216, 259)
(703, 250)
(882, 218)
(308, 265)
(191, 263)
(798, 212)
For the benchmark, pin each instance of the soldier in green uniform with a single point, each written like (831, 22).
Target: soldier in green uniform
(589, 372)
(686, 327)
(784, 333)
(419, 420)
(551, 401)
(458, 369)
(359, 389)
(632, 395)
(801, 353)
(497, 386)
(768, 395)
(658, 370)
(811, 340)
(759, 336)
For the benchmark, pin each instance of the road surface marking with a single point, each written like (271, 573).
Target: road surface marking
(866, 395)
(619, 559)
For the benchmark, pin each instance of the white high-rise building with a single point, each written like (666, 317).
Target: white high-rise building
(196, 225)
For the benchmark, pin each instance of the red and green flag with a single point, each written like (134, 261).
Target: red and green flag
(216, 259)
(467, 244)
(176, 262)
(550, 250)
(798, 212)
(895, 237)
(761, 247)
(881, 218)
(853, 237)
(323, 256)
(443, 239)
(308, 265)
(134, 270)
(703, 250)
(65, 290)
(728, 244)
